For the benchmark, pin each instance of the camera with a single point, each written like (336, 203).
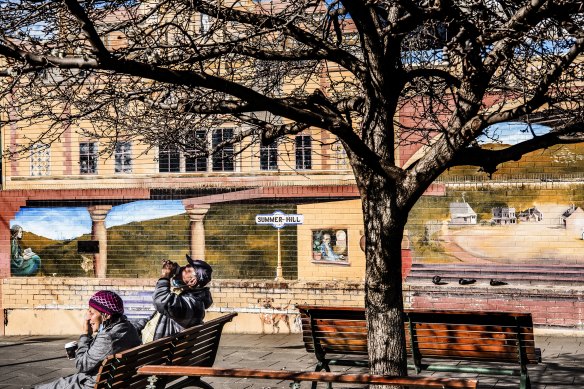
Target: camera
(175, 268)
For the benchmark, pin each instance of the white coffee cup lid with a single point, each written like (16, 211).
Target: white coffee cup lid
(70, 344)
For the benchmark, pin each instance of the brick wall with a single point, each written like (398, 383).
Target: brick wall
(55, 306)
(551, 308)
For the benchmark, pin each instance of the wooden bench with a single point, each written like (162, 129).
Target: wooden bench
(156, 371)
(338, 336)
(195, 346)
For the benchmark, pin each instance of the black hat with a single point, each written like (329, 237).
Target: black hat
(202, 269)
(199, 263)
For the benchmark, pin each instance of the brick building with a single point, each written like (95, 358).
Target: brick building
(104, 220)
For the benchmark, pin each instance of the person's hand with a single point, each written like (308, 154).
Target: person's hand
(86, 326)
(192, 282)
(168, 268)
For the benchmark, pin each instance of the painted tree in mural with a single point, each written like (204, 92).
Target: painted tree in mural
(377, 75)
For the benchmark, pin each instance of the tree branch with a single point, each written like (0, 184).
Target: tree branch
(488, 160)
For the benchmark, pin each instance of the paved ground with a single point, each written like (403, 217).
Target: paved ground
(25, 361)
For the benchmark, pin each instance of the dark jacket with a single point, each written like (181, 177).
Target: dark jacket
(177, 311)
(92, 350)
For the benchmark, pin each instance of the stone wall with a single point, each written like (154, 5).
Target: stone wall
(55, 306)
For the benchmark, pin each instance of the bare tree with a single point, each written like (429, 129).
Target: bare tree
(375, 74)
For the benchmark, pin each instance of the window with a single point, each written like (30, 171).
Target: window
(269, 156)
(171, 159)
(40, 160)
(223, 159)
(341, 161)
(88, 157)
(168, 160)
(123, 157)
(197, 163)
(303, 152)
(205, 24)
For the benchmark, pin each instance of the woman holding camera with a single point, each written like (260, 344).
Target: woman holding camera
(105, 331)
(180, 299)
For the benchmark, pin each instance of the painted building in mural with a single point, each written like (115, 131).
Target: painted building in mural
(462, 214)
(503, 215)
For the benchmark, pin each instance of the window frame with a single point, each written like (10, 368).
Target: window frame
(124, 157)
(38, 151)
(269, 156)
(303, 154)
(222, 160)
(169, 159)
(197, 164)
(91, 157)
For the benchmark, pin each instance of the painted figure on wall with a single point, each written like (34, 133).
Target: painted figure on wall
(22, 262)
(327, 251)
(329, 245)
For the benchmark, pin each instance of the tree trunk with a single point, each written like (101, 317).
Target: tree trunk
(384, 227)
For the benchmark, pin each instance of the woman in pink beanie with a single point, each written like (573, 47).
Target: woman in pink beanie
(106, 331)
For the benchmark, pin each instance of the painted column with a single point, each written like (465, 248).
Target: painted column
(99, 233)
(197, 215)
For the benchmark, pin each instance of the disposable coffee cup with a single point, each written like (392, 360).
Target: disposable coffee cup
(70, 349)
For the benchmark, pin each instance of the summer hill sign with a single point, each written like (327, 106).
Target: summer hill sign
(279, 220)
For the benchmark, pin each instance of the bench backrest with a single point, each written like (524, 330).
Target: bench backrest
(333, 330)
(500, 336)
(497, 336)
(195, 346)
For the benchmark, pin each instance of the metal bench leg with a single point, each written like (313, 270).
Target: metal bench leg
(525, 382)
(152, 382)
(188, 382)
(322, 366)
(203, 384)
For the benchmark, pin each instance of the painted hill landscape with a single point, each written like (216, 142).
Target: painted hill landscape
(235, 246)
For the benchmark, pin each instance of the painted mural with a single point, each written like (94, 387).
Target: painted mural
(23, 262)
(522, 225)
(528, 212)
(140, 234)
(54, 234)
(329, 245)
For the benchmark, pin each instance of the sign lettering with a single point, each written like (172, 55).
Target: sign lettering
(279, 219)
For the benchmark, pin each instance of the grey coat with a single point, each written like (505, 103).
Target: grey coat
(177, 311)
(91, 351)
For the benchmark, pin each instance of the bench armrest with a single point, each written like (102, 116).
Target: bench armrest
(297, 376)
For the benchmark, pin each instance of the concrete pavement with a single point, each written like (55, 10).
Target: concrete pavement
(29, 360)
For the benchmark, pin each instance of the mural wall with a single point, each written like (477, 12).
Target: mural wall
(497, 223)
(504, 224)
(49, 241)
(527, 213)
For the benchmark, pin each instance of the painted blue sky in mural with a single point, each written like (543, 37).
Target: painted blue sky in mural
(71, 222)
(511, 133)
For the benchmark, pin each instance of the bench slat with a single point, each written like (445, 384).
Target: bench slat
(426, 382)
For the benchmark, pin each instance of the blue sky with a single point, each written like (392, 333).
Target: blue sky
(72, 222)
(511, 133)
